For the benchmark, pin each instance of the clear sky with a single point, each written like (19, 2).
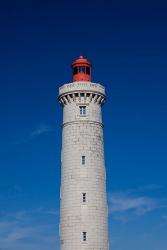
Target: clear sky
(126, 42)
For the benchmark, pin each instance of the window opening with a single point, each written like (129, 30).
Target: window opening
(82, 110)
(87, 70)
(81, 69)
(75, 70)
(84, 197)
(83, 160)
(84, 236)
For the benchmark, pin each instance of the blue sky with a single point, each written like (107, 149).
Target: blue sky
(126, 42)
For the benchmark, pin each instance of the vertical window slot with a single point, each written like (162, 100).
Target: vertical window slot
(83, 160)
(84, 197)
(84, 238)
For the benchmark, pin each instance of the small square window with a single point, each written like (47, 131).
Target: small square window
(84, 197)
(84, 236)
(82, 110)
(83, 160)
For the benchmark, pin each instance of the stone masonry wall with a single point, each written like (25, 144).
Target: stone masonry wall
(83, 136)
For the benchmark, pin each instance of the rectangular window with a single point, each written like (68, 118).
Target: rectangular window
(87, 70)
(84, 236)
(75, 70)
(81, 69)
(82, 110)
(83, 160)
(84, 197)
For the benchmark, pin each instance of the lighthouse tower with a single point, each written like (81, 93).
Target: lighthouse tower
(83, 212)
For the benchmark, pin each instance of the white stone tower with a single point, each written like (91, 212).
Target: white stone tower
(84, 213)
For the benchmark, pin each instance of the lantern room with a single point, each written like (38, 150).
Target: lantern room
(81, 69)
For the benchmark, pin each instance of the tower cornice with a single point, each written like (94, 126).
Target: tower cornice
(82, 85)
(82, 92)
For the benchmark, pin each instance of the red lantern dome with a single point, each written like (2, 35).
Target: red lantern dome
(81, 69)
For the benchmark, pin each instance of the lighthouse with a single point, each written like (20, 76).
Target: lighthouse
(83, 205)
